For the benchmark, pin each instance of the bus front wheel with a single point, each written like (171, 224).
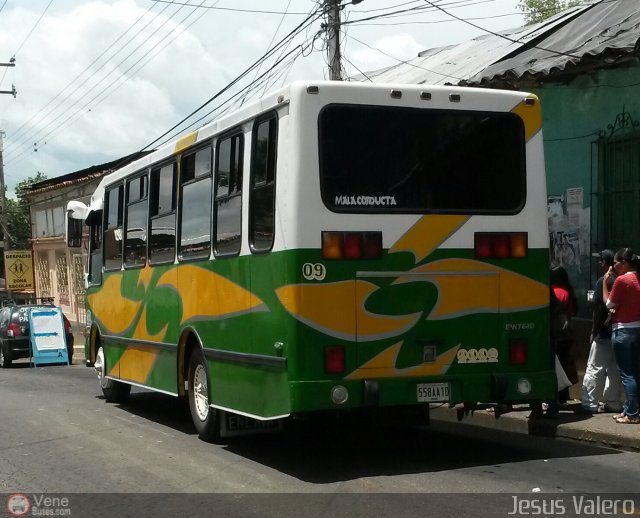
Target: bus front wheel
(114, 391)
(205, 418)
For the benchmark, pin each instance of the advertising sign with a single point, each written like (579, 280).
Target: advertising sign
(18, 266)
(48, 340)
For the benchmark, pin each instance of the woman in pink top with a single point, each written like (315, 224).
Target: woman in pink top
(624, 301)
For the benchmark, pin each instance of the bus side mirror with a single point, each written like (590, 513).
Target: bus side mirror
(73, 232)
(76, 212)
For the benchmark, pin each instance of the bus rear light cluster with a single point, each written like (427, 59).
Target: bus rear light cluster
(518, 352)
(351, 245)
(334, 359)
(500, 245)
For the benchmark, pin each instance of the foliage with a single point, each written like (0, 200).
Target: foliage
(538, 10)
(17, 211)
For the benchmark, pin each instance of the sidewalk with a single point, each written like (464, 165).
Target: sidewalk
(595, 429)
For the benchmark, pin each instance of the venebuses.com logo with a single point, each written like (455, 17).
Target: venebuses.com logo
(19, 504)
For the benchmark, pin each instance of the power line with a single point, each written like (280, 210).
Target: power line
(498, 34)
(309, 19)
(404, 61)
(18, 133)
(253, 11)
(75, 115)
(32, 29)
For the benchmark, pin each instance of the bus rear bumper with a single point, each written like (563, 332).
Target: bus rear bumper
(511, 387)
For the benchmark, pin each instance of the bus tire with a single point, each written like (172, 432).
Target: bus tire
(114, 391)
(206, 419)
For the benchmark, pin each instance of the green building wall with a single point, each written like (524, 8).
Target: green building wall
(575, 116)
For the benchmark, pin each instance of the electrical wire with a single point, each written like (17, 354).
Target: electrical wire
(309, 19)
(498, 34)
(108, 88)
(18, 132)
(273, 37)
(404, 61)
(253, 11)
(32, 29)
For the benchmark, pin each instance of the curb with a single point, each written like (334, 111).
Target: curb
(596, 430)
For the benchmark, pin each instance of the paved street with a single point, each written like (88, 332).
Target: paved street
(59, 436)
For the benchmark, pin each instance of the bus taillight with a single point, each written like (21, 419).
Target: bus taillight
(518, 352)
(500, 245)
(334, 359)
(351, 245)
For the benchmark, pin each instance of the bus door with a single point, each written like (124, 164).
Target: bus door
(428, 321)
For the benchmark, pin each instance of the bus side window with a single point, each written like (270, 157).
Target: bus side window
(162, 208)
(263, 174)
(195, 205)
(228, 203)
(95, 250)
(135, 243)
(113, 228)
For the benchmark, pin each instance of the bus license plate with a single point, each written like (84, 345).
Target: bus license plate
(433, 392)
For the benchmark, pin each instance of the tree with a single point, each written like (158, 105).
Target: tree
(17, 214)
(538, 10)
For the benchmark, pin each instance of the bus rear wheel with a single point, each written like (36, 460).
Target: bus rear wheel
(114, 391)
(206, 419)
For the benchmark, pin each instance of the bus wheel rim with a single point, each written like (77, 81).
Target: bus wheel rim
(98, 365)
(200, 393)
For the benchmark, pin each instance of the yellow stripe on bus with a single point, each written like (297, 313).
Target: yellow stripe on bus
(383, 365)
(466, 286)
(531, 115)
(207, 294)
(136, 363)
(186, 141)
(328, 308)
(427, 234)
(115, 312)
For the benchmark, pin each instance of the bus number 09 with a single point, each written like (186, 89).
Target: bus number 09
(313, 271)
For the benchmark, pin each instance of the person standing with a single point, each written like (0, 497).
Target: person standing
(601, 380)
(563, 291)
(624, 302)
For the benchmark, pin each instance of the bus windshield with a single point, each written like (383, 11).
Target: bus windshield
(407, 160)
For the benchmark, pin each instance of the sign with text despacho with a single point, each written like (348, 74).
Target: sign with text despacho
(18, 266)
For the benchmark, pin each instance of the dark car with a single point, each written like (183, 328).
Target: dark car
(15, 342)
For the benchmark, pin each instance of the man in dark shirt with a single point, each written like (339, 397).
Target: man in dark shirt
(601, 386)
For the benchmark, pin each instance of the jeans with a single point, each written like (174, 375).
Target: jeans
(602, 378)
(626, 345)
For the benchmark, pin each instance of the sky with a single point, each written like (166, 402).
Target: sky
(97, 80)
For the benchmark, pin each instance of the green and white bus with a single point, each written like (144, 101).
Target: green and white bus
(336, 247)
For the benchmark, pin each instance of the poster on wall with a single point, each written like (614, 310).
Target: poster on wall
(566, 228)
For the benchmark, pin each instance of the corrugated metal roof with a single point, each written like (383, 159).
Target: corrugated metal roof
(602, 33)
(606, 29)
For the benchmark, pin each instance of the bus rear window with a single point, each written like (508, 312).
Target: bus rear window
(405, 160)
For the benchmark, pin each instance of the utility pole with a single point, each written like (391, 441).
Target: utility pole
(13, 91)
(332, 27)
(332, 8)
(3, 214)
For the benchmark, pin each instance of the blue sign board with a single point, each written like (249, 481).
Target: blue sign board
(48, 339)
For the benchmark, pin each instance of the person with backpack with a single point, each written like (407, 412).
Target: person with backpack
(563, 291)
